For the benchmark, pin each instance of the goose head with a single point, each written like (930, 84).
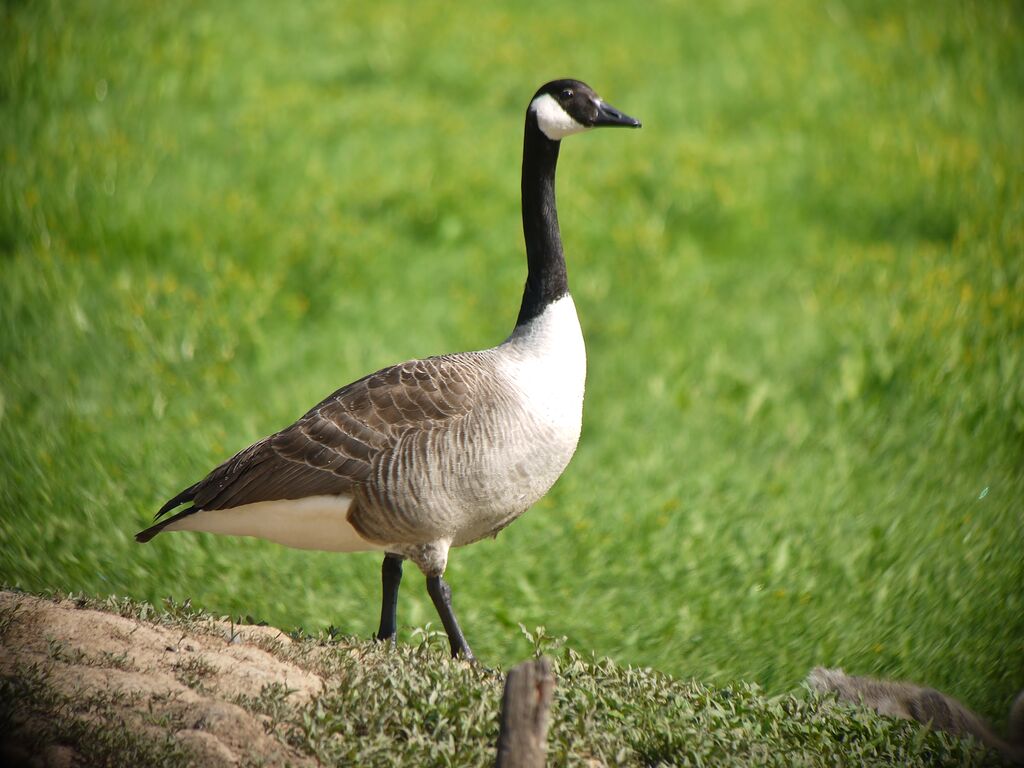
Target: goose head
(564, 107)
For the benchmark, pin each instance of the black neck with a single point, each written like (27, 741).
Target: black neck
(546, 280)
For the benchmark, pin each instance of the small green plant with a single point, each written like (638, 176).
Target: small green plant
(57, 651)
(542, 642)
(8, 616)
(194, 670)
(111, 660)
(272, 702)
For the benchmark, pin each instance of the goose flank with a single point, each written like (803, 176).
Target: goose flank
(434, 453)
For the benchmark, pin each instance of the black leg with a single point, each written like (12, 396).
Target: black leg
(391, 578)
(441, 594)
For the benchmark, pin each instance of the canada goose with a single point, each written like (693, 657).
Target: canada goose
(928, 706)
(433, 453)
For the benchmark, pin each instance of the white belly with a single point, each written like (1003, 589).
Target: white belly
(316, 522)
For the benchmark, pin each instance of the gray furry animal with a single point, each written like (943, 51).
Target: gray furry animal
(925, 705)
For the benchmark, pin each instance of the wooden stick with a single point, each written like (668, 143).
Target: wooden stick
(522, 739)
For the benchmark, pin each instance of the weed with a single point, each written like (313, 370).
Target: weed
(193, 670)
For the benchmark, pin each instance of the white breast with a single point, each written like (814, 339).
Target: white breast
(546, 361)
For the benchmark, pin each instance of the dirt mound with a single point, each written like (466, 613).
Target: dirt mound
(201, 694)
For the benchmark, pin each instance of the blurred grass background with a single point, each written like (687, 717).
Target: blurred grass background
(801, 283)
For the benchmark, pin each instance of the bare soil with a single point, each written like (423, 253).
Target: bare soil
(154, 680)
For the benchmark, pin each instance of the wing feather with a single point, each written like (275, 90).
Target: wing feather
(334, 446)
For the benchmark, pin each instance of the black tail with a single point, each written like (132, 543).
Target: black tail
(185, 496)
(143, 536)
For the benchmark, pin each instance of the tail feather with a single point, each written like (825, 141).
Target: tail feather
(185, 496)
(143, 536)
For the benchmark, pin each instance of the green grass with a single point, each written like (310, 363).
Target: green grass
(802, 287)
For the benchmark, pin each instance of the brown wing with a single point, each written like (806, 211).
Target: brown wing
(332, 448)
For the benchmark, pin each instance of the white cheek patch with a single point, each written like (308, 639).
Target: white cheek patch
(552, 119)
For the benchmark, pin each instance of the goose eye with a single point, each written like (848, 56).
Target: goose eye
(567, 94)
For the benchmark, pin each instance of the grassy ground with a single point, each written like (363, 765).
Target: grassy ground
(115, 682)
(801, 283)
